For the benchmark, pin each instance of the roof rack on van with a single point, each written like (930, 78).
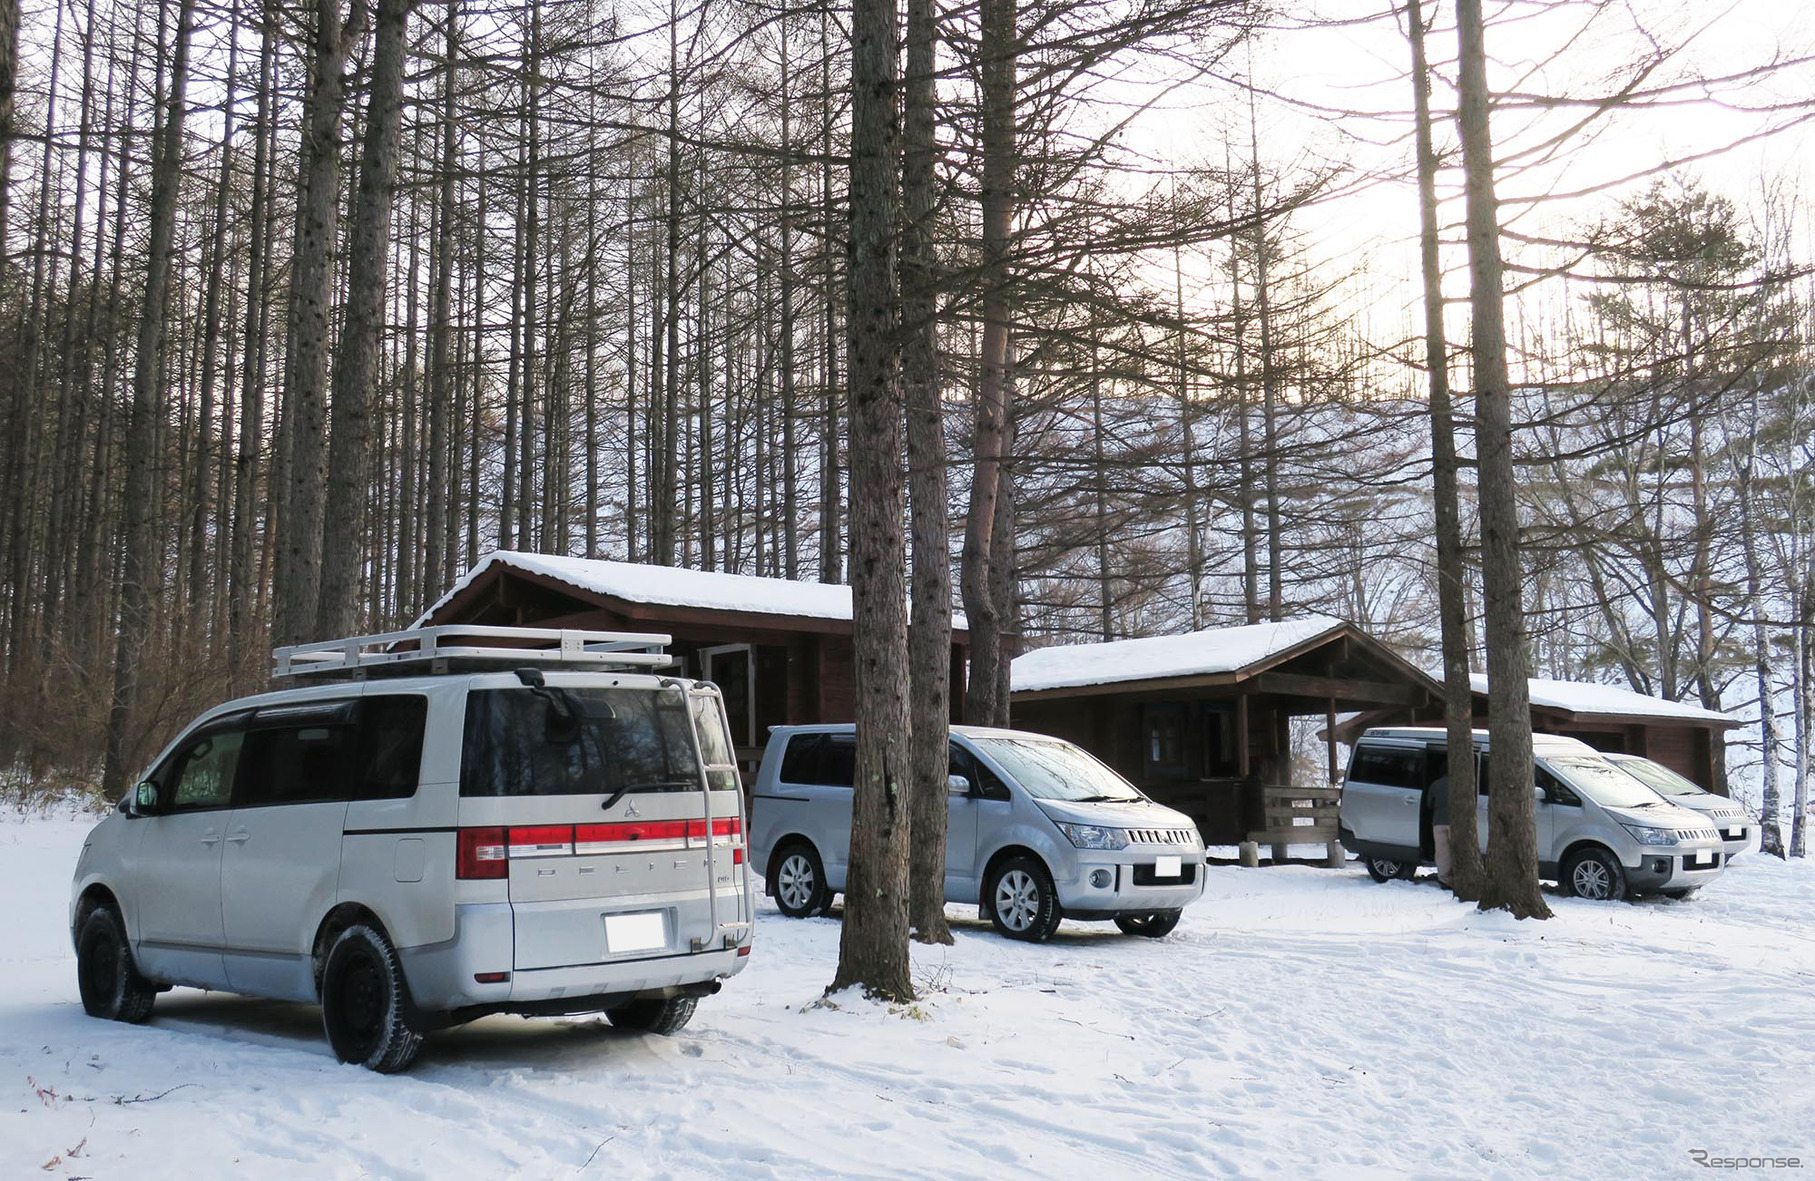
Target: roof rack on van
(451, 647)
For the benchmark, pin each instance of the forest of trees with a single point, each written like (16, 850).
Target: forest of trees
(305, 307)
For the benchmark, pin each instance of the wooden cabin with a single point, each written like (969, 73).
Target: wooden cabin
(779, 650)
(1202, 721)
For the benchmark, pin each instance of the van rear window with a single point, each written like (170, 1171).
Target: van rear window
(576, 742)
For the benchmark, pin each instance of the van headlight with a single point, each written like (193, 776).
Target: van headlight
(1651, 836)
(1091, 836)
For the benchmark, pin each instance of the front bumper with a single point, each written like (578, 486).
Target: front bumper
(1667, 869)
(1104, 884)
(441, 976)
(1747, 837)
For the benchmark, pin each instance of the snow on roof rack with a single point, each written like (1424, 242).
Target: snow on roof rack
(448, 647)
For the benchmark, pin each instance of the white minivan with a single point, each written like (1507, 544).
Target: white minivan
(491, 820)
(1601, 834)
(1736, 827)
(1037, 830)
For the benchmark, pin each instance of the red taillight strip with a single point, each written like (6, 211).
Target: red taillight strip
(490, 845)
(541, 840)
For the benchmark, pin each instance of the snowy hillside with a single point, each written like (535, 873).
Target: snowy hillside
(1299, 1022)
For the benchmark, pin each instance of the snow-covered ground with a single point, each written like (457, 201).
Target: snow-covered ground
(1300, 1021)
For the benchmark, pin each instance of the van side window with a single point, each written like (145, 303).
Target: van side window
(1554, 790)
(983, 781)
(838, 761)
(204, 772)
(800, 762)
(390, 745)
(299, 761)
(820, 760)
(1388, 766)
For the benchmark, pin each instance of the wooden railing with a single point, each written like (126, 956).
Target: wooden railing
(1296, 816)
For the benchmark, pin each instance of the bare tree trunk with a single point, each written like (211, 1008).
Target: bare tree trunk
(356, 368)
(1804, 700)
(1003, 579)
(138, 537)
(1269, 385)
(10, 18)
(441, 324)
(1245, 435)
(790, 493)
(831, 537)
(242, 576)
(1510, 879)
(1770, 836)
(662, 494)
(930, 636)
(996, 47)
(1187, 418)
(1458, 696)
(873, 944)
(298, 573)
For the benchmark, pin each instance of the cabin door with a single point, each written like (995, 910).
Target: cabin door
(732, 667)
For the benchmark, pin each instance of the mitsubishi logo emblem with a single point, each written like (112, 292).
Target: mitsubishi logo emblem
(630, 809)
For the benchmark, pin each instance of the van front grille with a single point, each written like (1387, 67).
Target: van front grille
(1162, 836)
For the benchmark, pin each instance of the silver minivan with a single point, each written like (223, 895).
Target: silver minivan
(539, 825)
(1737, 830)
(1601, 833)
(1037, 830)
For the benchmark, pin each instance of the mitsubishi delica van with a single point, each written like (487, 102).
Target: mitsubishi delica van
(487, 820)
(1036, 831)
(1736, 828)
(1601, 833)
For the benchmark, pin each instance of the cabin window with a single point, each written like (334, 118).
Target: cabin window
(1164, 746)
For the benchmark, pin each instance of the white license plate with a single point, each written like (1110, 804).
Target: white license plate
(1167, 867)
(645, 931)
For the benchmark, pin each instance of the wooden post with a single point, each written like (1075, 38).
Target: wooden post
(1241, 734)
(1329, 733)
(1334, 856)
(1250, 855)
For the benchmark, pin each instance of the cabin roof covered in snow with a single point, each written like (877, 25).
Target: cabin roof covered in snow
(1209, 652)
(1592, 698)
(671, 586)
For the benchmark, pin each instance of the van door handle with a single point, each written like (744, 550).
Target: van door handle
(211, 837)
(239, 836)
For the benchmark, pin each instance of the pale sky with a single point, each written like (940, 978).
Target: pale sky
(1561, 49)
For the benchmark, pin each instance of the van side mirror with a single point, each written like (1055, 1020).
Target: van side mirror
(144, 799)
(957, 785)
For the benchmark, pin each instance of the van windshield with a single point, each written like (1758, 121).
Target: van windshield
(1658, 778)
(1052, 770)
(576, 742)
(1603, 782)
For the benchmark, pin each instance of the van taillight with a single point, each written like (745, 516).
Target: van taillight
(481, 854)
